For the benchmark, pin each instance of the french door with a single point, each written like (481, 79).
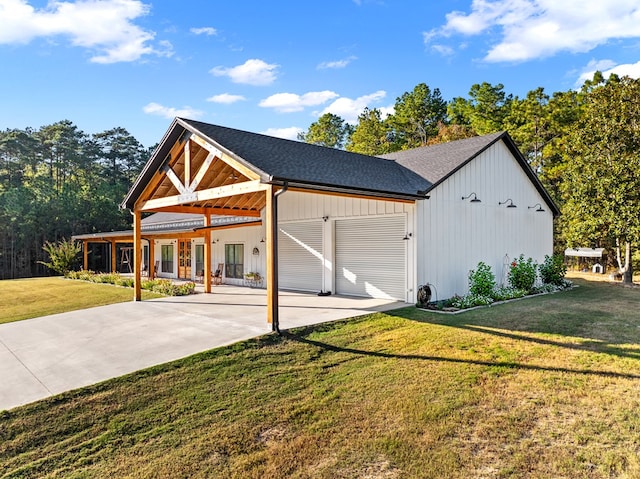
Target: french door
(184, 259)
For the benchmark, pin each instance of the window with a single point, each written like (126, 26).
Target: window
(145, 258)
(199, 259)
(167, 258)
(234, 260)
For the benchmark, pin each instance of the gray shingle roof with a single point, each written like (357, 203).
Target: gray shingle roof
(406, 174)
(161, 222)
(303, 163)
(436, 162)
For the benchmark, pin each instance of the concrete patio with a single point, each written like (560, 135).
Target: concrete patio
(45, 356)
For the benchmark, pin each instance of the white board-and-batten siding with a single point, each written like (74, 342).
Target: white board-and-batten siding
(455, 234)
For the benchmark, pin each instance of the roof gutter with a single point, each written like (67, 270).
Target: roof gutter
(419, 195)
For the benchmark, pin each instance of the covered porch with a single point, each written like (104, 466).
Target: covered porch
(189, 174)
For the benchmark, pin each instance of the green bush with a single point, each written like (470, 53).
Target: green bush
(470, 300)
(553, 269)
(481, 280)
(505, 293)
(62, 255)
(522, 274)
(162, 286)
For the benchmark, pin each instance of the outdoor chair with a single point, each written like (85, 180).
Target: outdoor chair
(216, 276)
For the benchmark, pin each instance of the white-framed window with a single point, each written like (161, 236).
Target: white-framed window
(199, 249)
(167, 258)
(234, 260)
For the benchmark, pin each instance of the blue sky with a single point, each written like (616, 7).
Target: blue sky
(274, 67)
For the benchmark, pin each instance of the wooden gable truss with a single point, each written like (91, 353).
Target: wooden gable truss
(198, 177)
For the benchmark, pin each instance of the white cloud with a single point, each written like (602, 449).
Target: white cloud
(336, 64)
(290, 133)
(170, 112)
(443, 50)
(349, 109)
(541, 28)
(226, 98)
(103, 26)
(386, 111)
(607, 67)
(252, 72)
(290, 102)
(204, 31)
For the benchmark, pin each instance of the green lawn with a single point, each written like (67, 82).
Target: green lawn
(33, 297)
(547, 387)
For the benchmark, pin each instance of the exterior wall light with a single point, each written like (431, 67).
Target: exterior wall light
(539, 210)
(510, 201)
(475, 198)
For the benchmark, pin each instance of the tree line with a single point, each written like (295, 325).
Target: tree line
(57, 181)
(583, 145)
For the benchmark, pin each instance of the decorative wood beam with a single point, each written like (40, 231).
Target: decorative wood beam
(175, 180)
(234, 225)
(203, 195)
(187, 165)
(204, 168)
(235, 164)
(156, 180)
(85, 255)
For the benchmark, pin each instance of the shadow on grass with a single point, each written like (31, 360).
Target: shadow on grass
(300, 338)
(596, 317)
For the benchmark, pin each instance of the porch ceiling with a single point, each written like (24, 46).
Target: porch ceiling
(196, 176)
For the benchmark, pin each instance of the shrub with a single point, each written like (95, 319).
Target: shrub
(470, 300)
(505, 293)
(481, 280)
(62, 255)
(522, 274)
(125, 282)
(162, 286)
(553, 269)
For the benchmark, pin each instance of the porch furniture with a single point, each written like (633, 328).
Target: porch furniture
(216, 276)
(253, 280)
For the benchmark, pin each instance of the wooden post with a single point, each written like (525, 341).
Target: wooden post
(113, 255)
(137, 256)
(207, 253)
(152, 258)
(85, 254)
(272, 287)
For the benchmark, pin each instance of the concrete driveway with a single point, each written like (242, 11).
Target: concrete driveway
(45, 356)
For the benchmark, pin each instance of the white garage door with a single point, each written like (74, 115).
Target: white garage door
(371, 257)
(300, 256)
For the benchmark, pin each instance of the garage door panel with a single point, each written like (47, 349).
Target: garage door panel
(300, 256)
(371, 257)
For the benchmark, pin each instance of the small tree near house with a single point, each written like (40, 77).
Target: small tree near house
(62, 255)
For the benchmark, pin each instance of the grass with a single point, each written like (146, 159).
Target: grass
(547, 387)
(33, 297)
